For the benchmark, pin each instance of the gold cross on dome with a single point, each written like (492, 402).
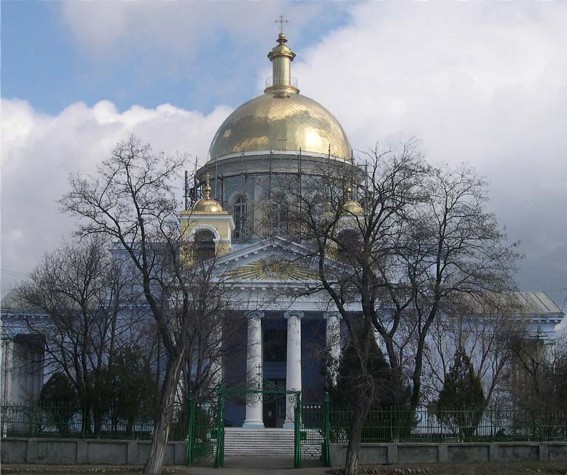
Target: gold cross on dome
(281, 20)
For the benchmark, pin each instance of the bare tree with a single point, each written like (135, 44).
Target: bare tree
(73, 300)
(539, 379)
(456, 248)
(485, 325)
(132, 201)
(349, 246)
(419, 238)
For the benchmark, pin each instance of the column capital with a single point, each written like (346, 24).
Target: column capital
(329, 315)
(294, 313)
(254, 314)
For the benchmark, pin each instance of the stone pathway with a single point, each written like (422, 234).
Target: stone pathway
(233, 466)
(263, 466)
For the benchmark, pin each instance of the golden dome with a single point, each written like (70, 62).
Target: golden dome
(280, 122)
(351, 206)
(281, 119)
(207, 204)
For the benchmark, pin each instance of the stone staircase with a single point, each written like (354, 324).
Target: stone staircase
(266, 443)
(258, 442)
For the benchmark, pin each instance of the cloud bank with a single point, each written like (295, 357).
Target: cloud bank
(481, 83)
(476, 82)
(40, 152)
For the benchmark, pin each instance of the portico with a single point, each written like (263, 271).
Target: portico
(269, 362)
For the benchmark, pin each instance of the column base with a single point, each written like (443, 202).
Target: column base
(289, 425)
(253, 425)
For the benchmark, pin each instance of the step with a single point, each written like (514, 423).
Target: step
(258, 442)
(268, 442)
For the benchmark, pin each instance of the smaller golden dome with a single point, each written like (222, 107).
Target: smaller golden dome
(351, 206)
(207, 204)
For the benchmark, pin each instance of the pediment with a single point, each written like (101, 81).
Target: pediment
(273, 260)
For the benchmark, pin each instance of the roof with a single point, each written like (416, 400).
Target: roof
(536, 303)
(521, 304)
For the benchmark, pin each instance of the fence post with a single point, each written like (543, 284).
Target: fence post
(191, 432)
(391, 415)
(33, 421)
(297, 432)
(219, 458)
(326, 431)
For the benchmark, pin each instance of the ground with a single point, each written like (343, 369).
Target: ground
(491, 468)
(508, 468)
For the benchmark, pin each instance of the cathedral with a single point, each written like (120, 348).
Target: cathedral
(242, 219)
(271, 144)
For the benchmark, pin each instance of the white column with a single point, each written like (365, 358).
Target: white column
(254, 417)
(333, 343)
(7, 371)
(293, 366)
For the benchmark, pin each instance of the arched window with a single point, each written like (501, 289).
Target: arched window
(204, 244)
(240, 215)
(279, 213)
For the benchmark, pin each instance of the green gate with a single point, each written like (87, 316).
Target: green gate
(315, 431)
(205, 439)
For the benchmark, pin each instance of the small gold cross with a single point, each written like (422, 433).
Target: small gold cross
(281, 21)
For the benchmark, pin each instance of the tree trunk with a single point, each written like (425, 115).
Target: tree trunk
(416, 377)
(398, 388)
(416, 380)
(156, 456)
(85, 419)
(359, 417)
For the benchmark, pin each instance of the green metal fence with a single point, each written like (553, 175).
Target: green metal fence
(401, 425)
(66, 422)
(314, 432)
(205, 440)
(317, 425)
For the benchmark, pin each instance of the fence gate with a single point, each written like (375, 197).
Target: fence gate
(205, 440)
(315, 431)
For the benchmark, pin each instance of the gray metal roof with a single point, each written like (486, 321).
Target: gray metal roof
(537, 303)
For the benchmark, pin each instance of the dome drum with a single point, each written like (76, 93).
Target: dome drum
(266, 162)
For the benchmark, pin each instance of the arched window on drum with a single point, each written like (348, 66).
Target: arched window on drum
(279, 214)
(240, 215)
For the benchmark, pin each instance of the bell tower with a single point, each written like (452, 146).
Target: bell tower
(207, 227)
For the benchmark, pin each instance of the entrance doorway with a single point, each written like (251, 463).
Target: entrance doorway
(274, 403)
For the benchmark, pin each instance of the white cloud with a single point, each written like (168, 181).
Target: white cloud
(39, 152)
(477, 82)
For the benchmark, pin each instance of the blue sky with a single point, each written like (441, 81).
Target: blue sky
(478, 82)
(38, 56)
(46, 63)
